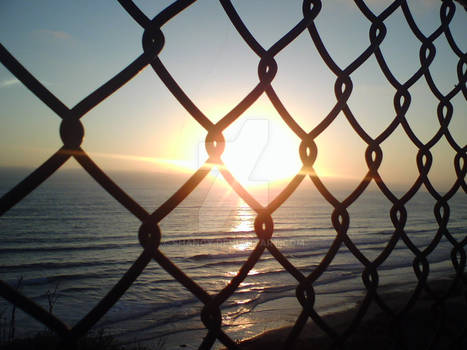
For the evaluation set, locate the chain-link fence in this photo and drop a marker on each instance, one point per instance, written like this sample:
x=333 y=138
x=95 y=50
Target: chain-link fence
x=72 y=132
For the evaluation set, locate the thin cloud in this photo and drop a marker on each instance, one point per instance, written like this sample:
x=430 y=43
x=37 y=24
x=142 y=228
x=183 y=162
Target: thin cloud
x=56 y=34
x=14 y=82
x=9 y=82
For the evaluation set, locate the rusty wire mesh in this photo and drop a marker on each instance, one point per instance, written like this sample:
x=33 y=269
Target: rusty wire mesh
x=72 y=132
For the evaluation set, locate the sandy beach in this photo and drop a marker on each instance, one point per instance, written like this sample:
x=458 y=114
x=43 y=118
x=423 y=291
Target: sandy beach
x=416 y=329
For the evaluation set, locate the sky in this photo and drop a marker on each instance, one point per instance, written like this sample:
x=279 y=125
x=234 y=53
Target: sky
x=74 y=46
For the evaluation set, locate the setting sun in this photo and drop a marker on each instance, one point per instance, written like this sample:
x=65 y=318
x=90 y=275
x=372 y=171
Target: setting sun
x=259 y=151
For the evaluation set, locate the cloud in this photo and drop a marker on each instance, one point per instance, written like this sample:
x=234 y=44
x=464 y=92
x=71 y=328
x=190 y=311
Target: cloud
x=13 y=82
x=56 y=34
x=9 y=82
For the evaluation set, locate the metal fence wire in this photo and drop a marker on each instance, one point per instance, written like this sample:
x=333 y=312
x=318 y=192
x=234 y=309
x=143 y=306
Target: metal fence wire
x=72 y=132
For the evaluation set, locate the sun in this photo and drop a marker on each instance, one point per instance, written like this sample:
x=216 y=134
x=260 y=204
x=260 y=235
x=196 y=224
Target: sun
x=259 y=151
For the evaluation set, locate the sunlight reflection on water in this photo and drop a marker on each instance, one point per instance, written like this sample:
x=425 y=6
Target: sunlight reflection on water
x=244 y=219
x=242 y=246
x=251 y=273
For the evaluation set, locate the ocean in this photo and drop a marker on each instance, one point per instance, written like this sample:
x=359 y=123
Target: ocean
x=71 y=239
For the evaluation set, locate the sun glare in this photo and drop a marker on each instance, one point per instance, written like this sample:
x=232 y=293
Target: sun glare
x=259 y=151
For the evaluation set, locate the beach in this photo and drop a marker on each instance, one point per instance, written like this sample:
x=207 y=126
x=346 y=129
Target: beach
x=416 y=328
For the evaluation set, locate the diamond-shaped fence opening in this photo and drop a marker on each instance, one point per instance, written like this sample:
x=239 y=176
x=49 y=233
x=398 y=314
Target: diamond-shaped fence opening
x=318 y=252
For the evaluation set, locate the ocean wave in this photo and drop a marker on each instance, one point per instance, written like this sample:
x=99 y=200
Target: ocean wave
x=125 y=313
x=54 y=279
x=65 y=248
x=60 y=265
x=47 y=237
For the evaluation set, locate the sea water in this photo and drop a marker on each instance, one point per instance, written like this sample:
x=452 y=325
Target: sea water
x=70 y=242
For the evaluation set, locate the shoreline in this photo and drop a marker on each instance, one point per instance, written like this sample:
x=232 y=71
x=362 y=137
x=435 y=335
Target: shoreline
x=417 y=327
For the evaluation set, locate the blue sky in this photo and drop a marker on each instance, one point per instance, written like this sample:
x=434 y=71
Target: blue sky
x=73 y=47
